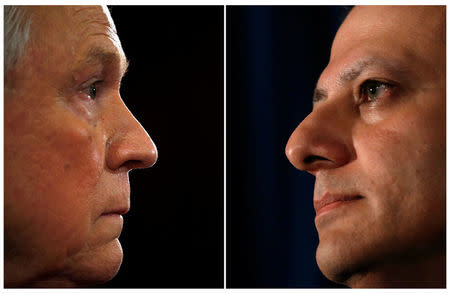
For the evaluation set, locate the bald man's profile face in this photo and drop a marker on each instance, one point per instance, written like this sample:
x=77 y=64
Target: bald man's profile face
x=375 y=142
x=69 y=144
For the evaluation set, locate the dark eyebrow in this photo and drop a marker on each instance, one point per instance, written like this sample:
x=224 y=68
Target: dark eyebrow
x=319 y=94
x=356 y=69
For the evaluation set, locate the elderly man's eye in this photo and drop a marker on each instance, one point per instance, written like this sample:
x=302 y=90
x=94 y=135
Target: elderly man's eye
x=92 y=90
x=371 y=90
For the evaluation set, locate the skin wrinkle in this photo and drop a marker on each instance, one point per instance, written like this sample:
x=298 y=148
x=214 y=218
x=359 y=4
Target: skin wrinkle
x=56 y=232
x=85 y=15
x=99 y=61
x=98 y=56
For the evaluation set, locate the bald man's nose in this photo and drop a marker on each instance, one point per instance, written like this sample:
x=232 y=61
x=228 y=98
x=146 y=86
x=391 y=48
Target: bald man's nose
x=131 y=147
x=319 y=142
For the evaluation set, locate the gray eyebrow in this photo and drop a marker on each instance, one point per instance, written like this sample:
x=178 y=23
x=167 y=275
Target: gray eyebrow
x=105 y=57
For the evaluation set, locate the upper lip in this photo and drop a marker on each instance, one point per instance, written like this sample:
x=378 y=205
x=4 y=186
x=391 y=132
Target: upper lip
x=329 y=198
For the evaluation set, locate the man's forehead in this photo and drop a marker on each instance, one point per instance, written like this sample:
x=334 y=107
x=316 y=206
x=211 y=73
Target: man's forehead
x=380 y=34
x=397 y=15
x=406 y=24
x=79 y=21
x=110 y=52
x=87 y=33
x=93 y=15
x=71 y=14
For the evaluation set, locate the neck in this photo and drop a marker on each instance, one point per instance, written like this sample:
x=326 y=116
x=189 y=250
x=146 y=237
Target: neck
x=423 y=273
x=29 y=274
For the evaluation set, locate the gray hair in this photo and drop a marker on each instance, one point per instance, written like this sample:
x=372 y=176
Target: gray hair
x=17 y=22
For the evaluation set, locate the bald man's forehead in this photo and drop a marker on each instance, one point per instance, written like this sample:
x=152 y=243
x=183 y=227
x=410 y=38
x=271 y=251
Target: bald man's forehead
x=408 y=21
x=420 y=18
x=417 y=31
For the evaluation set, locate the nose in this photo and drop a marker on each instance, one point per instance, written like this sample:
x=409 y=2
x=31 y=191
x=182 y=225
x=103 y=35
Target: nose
x=129 y=146
x=321 y=141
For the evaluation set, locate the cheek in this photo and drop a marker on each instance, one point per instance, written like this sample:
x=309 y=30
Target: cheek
x=75 y=158
x=51 y=178
x=403 y=160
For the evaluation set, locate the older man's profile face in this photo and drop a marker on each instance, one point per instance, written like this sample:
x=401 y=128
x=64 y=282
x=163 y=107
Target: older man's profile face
x=375 y=141
x=69 y=144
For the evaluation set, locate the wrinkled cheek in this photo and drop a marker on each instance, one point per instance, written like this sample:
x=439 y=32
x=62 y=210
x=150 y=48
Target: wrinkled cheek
x=80 y=158
x=80 y=167
x=65 y=171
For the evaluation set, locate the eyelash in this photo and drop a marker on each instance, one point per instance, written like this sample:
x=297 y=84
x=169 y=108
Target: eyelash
x=371 y=83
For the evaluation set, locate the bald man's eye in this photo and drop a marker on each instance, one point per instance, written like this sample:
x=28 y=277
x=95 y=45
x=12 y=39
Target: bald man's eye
x=372 y=90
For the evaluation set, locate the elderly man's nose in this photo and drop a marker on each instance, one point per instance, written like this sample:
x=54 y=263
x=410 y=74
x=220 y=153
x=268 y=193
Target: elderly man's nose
x=131 y=147
x=319 y=142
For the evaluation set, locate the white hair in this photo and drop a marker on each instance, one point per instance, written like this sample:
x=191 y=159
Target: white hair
x=17 y=22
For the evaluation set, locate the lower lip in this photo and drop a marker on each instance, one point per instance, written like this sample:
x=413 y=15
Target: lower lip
x=113 y=215
x=334 y=205
x=106 y=228
x=113 y=218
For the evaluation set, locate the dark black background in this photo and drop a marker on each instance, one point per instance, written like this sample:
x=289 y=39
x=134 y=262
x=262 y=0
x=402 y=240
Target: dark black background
x=173 y=234
x=274 y=58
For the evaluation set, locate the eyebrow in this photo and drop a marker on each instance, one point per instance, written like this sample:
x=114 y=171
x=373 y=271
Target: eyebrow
x=319 y=94
x=105 y=58
x=356 y=69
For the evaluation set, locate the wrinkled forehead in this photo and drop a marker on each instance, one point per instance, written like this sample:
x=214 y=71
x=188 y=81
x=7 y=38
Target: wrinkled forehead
x=71 y=35
x=75 y=24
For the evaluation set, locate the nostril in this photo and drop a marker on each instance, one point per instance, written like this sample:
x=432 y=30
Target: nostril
x=138 y=164
x=132 y=164
x=312 y=158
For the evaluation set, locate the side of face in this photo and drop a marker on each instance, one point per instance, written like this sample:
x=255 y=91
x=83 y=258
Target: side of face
x=69 y=144
x=377 y=135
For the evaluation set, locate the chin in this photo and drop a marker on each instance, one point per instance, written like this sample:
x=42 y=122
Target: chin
x=95 y=266
x=340 y=258
x=333 y=264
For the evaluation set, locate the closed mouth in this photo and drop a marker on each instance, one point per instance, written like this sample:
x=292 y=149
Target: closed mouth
x=331 y=201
